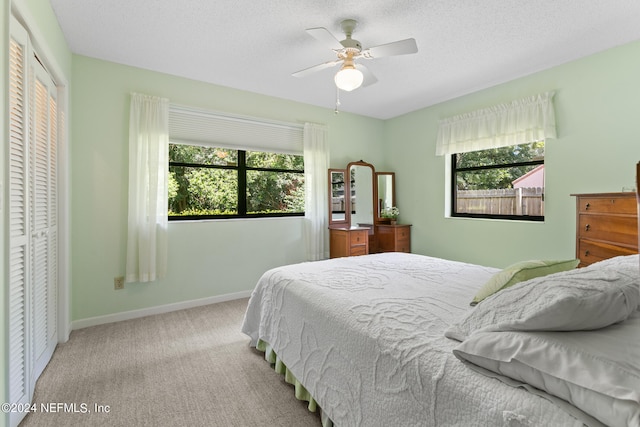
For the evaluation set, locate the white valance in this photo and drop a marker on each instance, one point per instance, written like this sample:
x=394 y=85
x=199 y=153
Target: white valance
x=518 y=122
x=188 y=125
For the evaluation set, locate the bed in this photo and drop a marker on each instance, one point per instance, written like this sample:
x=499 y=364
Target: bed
x=364 y=339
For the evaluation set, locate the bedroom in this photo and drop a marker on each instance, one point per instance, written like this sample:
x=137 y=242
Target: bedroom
x=596 y=109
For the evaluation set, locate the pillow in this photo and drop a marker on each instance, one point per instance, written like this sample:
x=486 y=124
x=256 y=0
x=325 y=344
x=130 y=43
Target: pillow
x=520 y=272
x=597 y=371
x=582 y=299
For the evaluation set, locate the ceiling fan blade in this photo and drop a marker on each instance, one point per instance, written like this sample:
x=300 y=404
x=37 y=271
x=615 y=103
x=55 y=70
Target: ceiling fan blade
x=311 y=70
x=401 y=47
x=368 y=77
x=325 y=37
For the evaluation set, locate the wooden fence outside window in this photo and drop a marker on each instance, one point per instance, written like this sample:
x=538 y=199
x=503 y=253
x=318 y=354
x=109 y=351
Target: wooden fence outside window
x=508 y=201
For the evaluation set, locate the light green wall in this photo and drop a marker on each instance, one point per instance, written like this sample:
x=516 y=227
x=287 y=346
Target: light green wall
x=207 y=258
x=597 y=107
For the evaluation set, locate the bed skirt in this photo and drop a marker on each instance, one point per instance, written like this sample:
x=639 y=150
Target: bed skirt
x=300 y=392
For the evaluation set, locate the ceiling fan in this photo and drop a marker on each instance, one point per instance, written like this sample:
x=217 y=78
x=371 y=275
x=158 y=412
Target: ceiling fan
x=352 y=75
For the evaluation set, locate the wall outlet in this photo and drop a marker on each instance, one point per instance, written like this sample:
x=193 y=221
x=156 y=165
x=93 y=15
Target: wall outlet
x=118 y=283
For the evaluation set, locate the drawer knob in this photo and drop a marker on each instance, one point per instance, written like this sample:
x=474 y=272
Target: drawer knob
x=586 y=253
x=587 y=206
x=587 y=227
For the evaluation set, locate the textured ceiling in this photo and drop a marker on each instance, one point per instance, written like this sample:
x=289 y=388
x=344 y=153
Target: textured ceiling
x=464 y=45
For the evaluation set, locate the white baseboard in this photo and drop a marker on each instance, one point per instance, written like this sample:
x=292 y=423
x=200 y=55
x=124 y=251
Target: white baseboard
x=134 y=314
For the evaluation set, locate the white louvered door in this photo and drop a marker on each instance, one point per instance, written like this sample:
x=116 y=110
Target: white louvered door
x=42 y=164
x=19 y=309
x=32 y=207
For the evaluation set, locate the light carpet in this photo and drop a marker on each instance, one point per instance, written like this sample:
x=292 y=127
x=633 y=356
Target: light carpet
x=186 y=368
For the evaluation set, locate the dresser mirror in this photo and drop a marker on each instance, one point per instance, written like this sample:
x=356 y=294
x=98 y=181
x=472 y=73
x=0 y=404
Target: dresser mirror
x=337 y=201
x=357 y=197
x=362 y=191
x=385 y=184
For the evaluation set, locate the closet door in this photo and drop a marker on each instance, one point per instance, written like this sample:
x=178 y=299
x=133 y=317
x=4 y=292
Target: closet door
x=19 y=227
x=32 y=207
x=42 y=164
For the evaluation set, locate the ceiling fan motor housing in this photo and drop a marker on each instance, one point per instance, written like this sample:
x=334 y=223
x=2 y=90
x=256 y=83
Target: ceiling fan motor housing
x=350 y=43
x=353 y=45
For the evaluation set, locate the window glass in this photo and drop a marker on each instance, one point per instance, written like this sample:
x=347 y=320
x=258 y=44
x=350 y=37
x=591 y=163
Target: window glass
x=271 y=192
x=202 y=191
x=506 y=183
x=209 y=183
x=257 y=159
x=194 y=154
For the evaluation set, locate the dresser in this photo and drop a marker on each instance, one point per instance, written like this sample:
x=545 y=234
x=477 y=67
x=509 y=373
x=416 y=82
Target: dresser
x=348 y=241
x=393 y=238
x=606 y=226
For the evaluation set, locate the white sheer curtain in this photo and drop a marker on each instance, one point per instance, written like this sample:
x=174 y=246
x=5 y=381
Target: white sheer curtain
x=518 y=122
x=316 y=163
x=148 y=165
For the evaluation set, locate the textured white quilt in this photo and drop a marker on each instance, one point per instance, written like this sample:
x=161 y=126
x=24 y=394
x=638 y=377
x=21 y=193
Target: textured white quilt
x=365 y=336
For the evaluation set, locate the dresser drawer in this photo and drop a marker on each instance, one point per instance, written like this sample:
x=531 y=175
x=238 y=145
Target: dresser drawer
x=394 y=238
x=619 y=229
x=590 y=251
x=358 y=237
x=358 y=250
x=403 y=241
x=348 y=242
x=618 y=205
x=403 y=245
x=606 y=226
x=403 y=233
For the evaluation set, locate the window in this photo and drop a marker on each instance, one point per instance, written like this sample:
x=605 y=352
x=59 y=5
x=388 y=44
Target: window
x=210 y=183
x=503 y=183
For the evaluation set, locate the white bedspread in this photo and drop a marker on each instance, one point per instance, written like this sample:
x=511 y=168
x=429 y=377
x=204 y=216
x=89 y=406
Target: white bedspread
x=365 y=336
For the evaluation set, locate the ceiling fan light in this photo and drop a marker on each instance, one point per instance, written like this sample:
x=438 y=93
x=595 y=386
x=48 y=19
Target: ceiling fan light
x=348 y=79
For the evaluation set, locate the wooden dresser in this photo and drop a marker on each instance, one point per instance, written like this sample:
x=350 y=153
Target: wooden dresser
x=606 y=226
x=348 y=241
x=393 y=238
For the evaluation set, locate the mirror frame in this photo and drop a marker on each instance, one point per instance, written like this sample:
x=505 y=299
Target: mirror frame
x=347 y=207
x=378 y=211
x=374 y=190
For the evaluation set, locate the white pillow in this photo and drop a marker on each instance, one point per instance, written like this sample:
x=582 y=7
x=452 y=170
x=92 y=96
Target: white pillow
x=596 y=371
x=583 y=299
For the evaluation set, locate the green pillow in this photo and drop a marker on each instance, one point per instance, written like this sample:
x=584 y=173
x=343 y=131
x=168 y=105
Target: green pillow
x=519 y=272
